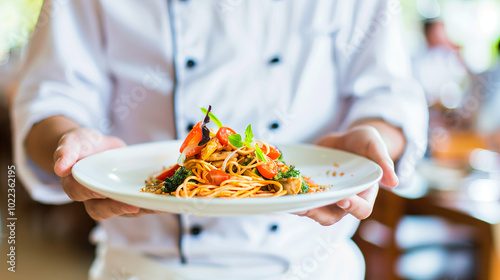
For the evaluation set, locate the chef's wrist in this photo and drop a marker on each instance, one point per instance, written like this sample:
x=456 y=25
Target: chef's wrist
x=43 y=138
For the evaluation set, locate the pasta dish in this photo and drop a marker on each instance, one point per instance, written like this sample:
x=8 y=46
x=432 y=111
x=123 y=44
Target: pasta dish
x=225 y=164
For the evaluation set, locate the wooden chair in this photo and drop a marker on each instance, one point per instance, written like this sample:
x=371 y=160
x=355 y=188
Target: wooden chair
x=376 y=236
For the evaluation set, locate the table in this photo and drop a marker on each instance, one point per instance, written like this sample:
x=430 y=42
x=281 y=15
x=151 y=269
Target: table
x=381 y=250
x=483 y=216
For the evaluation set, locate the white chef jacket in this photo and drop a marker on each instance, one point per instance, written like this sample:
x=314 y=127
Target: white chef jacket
x=295 y=70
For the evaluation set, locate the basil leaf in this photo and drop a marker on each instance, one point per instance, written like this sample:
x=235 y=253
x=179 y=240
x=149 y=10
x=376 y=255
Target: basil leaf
x=248 y=135
x=235 y=140
x=259 y=153
x=213 y=117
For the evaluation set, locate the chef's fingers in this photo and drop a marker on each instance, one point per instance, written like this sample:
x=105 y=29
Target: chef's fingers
x=80 y=143
x=326 y=215
x=66 y=154
x=360 y=205
x=76 y=191
x=101 y=209
x=143 y=211
x=389 y=177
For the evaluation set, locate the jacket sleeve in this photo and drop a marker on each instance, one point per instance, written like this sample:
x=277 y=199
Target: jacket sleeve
x=375 y=76
x=65 y=74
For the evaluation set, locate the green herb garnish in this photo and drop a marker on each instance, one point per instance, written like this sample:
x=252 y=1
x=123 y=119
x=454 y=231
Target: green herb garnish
x=173 y=182
x=248 y=136
x=292 y=173
x=260 y=155
x=305 y=187
x=236 y=140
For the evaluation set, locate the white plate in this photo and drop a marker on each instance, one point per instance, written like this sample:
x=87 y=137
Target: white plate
x=120 y=174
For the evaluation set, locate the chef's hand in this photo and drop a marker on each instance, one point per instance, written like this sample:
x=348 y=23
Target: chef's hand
x=364 y=140
x=80 y=143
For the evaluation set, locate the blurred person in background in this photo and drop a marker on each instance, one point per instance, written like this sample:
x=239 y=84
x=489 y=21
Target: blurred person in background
x=439 y=67
x=328 y=72
x=446 y=80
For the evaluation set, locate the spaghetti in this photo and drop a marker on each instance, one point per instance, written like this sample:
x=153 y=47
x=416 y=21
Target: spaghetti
x=225 y=165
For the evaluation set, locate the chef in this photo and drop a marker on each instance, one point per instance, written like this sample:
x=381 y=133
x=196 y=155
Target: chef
x=102 y=74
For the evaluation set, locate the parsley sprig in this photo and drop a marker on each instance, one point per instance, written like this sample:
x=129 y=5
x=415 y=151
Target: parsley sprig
x=292 y=173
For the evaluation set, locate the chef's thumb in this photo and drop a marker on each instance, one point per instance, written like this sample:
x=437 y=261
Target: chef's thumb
x=66 y=155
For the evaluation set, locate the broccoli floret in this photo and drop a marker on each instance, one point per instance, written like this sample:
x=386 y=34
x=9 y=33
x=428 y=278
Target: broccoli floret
x=173 y=182
x=305 y=187
x=292 y=173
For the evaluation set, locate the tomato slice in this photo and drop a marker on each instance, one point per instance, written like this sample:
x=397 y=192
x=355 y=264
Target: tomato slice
x=273 y=153
x=223 y=134
x=216 y=177
x=169 y=172
x=269 y=169
x=192 y=140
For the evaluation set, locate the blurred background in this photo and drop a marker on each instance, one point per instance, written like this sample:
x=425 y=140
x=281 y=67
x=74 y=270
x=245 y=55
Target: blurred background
x=444 y=224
